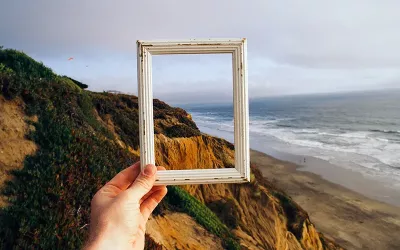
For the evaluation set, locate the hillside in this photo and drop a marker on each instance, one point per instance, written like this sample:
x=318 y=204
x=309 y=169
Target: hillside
x=59 y=143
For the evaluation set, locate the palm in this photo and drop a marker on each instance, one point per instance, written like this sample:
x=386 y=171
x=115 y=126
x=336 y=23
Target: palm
x=128 y=202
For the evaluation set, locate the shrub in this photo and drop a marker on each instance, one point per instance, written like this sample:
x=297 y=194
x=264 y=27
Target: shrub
x=78 y=83
x=50 y=197
x=123 y=112
x=226 y=211
x=183 y=201
x=181 y=130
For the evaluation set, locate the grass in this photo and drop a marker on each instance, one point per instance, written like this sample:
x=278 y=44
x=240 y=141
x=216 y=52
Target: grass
x=183 y=201
x=226 y=210
x=50 y=197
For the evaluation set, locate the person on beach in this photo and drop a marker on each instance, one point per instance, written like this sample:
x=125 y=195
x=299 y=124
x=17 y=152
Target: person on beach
x=121 y=208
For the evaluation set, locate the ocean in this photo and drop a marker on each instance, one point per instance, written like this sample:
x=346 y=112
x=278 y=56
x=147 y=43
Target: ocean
x=357 y=131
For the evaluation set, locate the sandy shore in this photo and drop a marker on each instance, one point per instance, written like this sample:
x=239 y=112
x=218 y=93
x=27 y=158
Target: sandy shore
x=348 y=217
x=355 y=211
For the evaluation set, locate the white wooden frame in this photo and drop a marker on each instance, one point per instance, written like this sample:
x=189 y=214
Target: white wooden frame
x=238 y=49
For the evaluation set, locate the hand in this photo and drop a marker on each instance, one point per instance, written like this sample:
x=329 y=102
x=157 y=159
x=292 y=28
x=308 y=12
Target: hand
x=121 y=208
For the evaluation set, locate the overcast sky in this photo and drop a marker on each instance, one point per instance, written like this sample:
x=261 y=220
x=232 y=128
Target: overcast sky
x=294 y=46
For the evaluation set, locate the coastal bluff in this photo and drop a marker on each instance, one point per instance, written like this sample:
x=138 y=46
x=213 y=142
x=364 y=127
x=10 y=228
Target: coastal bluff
x=79 y=139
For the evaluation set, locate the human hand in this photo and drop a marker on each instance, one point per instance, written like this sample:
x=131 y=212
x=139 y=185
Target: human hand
x=121 y=208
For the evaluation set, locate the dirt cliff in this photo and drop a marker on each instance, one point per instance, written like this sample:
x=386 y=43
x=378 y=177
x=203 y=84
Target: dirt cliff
x=64 y=142
x=14 y=145
x=259 y=215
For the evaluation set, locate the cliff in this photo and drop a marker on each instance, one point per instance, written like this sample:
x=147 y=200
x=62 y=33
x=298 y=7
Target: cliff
x=63 y=142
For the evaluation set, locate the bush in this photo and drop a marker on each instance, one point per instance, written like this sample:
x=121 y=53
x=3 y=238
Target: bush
x=123 y=111
x=50 y=197
x=226 y=211
x=183 y=201
x=181 y=130
x=78 y=83
x=24 y=66
x=6 y=76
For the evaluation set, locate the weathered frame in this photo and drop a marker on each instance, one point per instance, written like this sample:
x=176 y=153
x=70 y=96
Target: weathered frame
x=238 y=49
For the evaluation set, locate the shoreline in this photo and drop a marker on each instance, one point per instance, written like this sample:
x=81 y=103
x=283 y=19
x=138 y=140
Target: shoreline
x=354 y=181
x=351 y=219
x=355 y=220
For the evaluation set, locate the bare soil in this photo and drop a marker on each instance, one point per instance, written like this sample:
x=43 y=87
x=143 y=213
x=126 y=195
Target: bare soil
x=180 y=231
x=14 y=147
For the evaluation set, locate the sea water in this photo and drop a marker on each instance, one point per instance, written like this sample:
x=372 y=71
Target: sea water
x=358 y=131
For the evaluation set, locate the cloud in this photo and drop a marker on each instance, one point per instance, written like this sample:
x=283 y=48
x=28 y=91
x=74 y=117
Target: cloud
x=320 y=45
x=316 y=33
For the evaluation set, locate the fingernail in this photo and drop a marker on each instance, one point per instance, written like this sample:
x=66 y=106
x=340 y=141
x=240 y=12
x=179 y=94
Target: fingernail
x=150 y=170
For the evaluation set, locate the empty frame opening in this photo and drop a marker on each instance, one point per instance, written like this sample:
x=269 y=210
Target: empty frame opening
x=201 y=84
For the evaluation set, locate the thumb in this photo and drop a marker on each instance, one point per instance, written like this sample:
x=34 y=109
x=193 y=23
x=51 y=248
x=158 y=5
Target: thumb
x=143 y=183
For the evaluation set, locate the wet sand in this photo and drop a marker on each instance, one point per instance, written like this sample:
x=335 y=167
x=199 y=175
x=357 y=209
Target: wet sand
x=343 y=215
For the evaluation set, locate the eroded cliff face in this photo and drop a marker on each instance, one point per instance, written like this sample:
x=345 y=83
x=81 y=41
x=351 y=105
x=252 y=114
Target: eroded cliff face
x=82 y=139
x=176 y=230
x=260 y=215
x=257 y=213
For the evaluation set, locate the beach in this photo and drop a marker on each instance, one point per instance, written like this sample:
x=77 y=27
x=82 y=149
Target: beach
x=336 y=155
x=354 y=211
x=352 y=139
x=373 y=188
x=349 y=218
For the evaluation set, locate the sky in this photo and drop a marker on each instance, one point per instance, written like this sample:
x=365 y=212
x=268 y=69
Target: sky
x=294 y=47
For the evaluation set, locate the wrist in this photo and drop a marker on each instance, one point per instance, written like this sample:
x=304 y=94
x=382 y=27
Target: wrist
x=106 y=243
x=108 y=239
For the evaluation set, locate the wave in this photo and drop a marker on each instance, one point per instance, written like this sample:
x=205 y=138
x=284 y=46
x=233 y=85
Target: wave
x=381 y=149
x=285 y=126
x=347 y=134
x=368 y=143
x=385 y=131
x=263 y=122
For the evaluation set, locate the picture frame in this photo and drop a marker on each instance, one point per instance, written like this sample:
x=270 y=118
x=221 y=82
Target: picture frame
x=238 y=49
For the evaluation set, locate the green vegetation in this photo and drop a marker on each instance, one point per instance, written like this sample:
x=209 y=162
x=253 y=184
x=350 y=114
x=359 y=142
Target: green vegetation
x=226 y=211
x=183 y=201
x=50 y=197
x=80 y=85
x=181 y=130
x=123 y=111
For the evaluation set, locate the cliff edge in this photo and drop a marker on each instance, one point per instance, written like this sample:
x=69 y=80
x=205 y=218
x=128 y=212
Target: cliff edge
x=70 y=141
